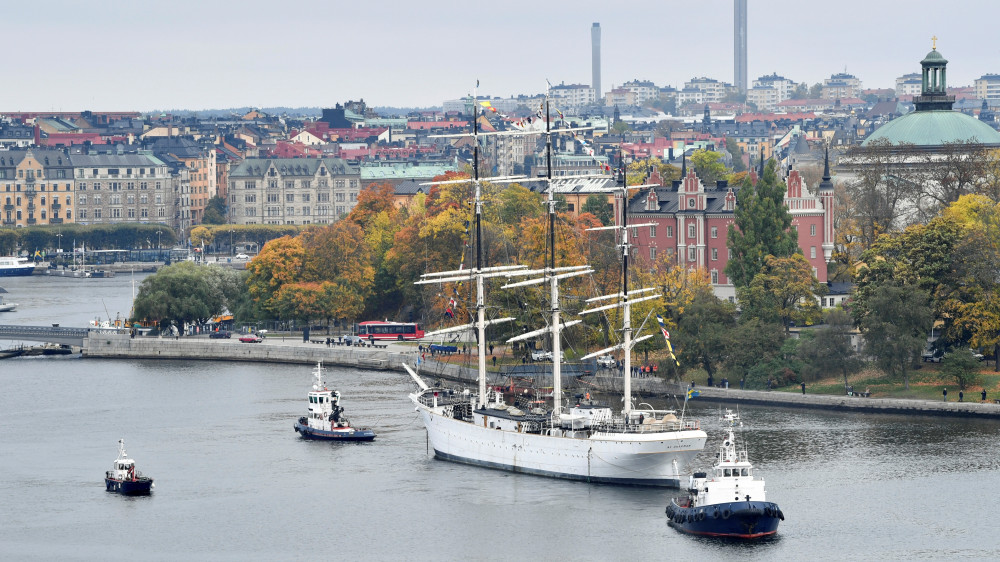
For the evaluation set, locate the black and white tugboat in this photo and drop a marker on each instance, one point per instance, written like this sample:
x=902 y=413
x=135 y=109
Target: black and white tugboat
x=124 y=479
x=326 y=419
x=728 y=503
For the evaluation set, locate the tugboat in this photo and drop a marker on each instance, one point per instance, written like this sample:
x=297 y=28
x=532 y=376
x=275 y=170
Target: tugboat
x=123 y=477
x=326 y=419
x=731 y=503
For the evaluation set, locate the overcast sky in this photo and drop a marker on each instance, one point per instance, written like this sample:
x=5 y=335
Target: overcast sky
x=71 y=55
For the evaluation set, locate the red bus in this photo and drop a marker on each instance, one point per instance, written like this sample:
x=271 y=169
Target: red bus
x=378 y=330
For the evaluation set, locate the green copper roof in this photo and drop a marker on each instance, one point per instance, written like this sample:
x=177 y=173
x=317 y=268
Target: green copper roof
x=934 y=128
x=934 y=57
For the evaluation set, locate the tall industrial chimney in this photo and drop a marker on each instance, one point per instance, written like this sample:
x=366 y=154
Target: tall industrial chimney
x=740 y=45
x=595 y=41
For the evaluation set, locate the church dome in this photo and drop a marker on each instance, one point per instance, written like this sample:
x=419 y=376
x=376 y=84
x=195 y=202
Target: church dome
x=935 y=128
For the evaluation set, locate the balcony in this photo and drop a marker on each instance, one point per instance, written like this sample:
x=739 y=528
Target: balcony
x=32 y=221
x=9 y=222
x=31 y=207
x=56 y=206
x=8 y=207
x=55 y=221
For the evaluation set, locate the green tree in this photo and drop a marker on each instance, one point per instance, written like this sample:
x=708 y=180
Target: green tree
x=737 y=153
x=598 y=206
x=784 y=291
x=215 y=211
x=186 y=292
x=753 y=351
x=703 y=332
x=707 y=164
x=895 y=323
x=962 y=366
x=762 y=227
x=827 y=349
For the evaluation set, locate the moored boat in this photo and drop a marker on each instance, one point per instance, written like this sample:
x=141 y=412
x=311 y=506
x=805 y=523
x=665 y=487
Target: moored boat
x=587 y=442
x=12 y=266
x=730 y=502
x=123 y=478
x=326 y=420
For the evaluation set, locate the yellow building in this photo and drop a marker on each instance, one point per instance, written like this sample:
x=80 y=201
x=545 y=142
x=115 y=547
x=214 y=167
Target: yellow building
x=36 y=187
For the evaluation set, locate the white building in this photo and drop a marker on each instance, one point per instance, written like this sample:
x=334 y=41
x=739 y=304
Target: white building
x=782 y=86
x=714 y=90
x=573 y=95
x=988 y=87
x=909 y=84
x=644 y=90
x=292 y=190
x=840 y=86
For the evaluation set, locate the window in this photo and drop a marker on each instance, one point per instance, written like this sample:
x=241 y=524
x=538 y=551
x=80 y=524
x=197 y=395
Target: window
x=290 y=211
x=338 y=183
x=812 y=251
x=289 y=198
x=652 y=253
x=97 y=213
x=116 y=213
x=97 y=186
x=715 y=232
x=305 y=211
x=80 y=214
x=289 y=185
x=812 y=230
x=305 y=197
x=97 y=200
x=652 y=232
x=691 y=232
x=670 y=232
x=715 y=254
x=635 y=232
x=340 y=198
x=715 y=277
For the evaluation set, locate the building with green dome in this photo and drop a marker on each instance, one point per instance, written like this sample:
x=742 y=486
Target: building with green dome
x=934 y=123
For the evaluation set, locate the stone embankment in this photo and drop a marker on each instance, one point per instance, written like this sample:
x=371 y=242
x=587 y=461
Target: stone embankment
x=272 y=350
x=656 y=387
x=393 y=356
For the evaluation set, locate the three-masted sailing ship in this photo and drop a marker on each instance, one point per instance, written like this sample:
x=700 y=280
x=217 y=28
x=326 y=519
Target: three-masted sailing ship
x=586 y=441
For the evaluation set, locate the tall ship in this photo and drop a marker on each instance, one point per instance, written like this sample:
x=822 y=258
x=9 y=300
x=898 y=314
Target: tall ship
x=12 y=266
x=586 y=441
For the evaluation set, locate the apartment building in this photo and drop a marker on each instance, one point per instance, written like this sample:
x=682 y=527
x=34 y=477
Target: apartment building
x=115 y=188
x=292 y=190
x=643 y=90
x=841 y=85
x=37 y=187
x=987 y=87
x=909 y=84
x=714 y=90
x=573 y=95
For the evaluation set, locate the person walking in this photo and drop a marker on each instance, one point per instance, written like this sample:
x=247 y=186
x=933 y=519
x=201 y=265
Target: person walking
x=945 y=394
x=961 y=396
x=984 y=395
x=803 y=388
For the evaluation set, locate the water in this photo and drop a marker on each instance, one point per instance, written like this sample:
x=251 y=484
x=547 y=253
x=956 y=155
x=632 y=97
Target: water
x=235 y=482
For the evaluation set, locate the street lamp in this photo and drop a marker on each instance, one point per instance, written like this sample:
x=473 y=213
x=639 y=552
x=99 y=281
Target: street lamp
x=59 y=238
x=231 y=231
x=157 y=239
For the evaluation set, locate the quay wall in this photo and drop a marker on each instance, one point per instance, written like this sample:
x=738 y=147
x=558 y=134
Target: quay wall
x=121 y=346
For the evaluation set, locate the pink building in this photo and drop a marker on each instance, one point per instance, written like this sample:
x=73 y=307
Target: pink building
x=691 y=223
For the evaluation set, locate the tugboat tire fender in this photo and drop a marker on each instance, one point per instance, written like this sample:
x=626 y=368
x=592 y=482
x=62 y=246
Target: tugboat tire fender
x=726 y=513
x=701 y=516
x=781 y=515
x=715 y=514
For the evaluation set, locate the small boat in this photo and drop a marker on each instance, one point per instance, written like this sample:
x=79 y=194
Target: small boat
x=731 y=503
x=326 y=419
x=124 y=479
x=4 y=305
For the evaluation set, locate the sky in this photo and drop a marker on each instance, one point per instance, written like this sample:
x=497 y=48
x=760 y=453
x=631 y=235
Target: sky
x=144 y=55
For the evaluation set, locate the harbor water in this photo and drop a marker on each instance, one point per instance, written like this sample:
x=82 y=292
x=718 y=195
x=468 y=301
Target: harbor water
x=235 y=482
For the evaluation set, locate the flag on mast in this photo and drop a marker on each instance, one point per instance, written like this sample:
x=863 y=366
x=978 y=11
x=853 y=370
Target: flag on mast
x=666 y=337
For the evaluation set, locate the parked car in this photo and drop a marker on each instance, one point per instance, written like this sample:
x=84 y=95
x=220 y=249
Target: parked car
x=932 y=355
x=251 y=338
x=978 y=356
x=539 y=355
x=242 y=256
x=220 y=334
x=606 y=361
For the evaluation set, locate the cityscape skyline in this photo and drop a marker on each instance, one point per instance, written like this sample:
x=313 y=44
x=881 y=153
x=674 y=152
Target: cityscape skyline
x=206 y=56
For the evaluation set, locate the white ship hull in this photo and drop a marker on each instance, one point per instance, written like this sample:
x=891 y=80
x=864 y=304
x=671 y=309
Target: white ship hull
x=641 y=459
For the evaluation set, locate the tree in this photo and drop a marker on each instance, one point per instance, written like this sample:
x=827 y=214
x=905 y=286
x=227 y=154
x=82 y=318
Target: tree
x=785 y=290
x=186 y=292
x=828 y=349
x=753 y=351
x=886 y=192
x=598 y=206
x=895 y=325
x=737 y=153
x=707 y=164
x=816 y=91
x=761 y=227
x=215 y=211
x=621 y=127
x=703 y=332
x=962 y=366
x=279 y=262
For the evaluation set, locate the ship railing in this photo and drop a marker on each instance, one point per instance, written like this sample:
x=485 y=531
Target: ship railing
x=650 y=425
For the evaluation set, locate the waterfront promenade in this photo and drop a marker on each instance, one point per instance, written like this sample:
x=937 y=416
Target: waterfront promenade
x=291 y=349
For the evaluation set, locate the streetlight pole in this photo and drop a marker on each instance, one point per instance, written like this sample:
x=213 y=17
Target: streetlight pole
x=231 y=232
